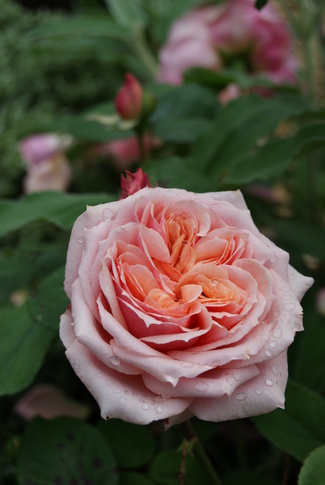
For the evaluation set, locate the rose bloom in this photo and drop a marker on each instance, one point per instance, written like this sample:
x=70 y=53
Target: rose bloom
x=180 y=307
x=212 y=35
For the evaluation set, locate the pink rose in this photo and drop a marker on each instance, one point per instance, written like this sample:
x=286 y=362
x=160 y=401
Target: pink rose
x=179 y=307
x=47 y=166
x=232 y=28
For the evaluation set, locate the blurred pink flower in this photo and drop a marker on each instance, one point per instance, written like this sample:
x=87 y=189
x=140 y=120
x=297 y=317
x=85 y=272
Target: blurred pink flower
x=126 y=151
x=47 y=166
x=49 y=402
x=210 y=35
x=128 y=101
x=132 y=182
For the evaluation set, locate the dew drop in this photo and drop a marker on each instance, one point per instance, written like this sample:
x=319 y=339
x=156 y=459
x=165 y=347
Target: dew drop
x=273 y=344
x=214 y=282
x=115 y=360
x=107 y=214
x=269 y=382
x=241 y=396
x=276 y=314
x=277 y=333
x=274 y=370
x=80 y=240
x=268 y=352
x=259 y=391
x=145 y=407
x=201 y=386
x=289 y=307
x=236 y=376
x=118 y=391
x=123 y=401
x=159 y=409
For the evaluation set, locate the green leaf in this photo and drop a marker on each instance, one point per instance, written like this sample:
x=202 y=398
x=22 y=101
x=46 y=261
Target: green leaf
x=300 y=427
x=177 y=172
x=133 y=478
x=50 y=301
x=65 y=451
x=273 y=158
x=14 y=274
x=78 y=26
x=58 y=208
x=127 y=13
x=248 y=478
x=133 y=452
x=181 y=130
x=313 y=470
x=23 y=345
x=90 y=128
x=221 y=79
x=239 y=127
x=186 y=101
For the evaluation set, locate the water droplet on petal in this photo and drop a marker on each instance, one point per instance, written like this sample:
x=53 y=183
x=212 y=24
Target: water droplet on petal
x=273 y=344
x=241 y=396
x=107 y=214
x=159 y=409
x=277 y=333
x=236 y=376
x=274 y=370
x=214 y=282
x=115 y=360
x=145 y=407
x=269 y=382
x=123 y=401
x=268 y=352
x=259 y=391
x=118 y=391
x=289 y=307
x=201 y=386
x=80 y=240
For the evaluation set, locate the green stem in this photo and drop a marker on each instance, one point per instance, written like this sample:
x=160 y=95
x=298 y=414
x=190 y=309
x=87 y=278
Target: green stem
x=140 y=47
x=201 y=455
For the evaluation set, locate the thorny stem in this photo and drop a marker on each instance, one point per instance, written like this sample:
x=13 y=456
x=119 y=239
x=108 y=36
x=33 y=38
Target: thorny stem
x=201 y=454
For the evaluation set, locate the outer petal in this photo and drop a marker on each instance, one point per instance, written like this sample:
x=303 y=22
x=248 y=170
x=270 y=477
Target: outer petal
x=119 y=395
x=260 y=395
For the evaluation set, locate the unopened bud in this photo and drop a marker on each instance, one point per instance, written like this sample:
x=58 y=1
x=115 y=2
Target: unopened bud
x=128 y=101
x=132 y=182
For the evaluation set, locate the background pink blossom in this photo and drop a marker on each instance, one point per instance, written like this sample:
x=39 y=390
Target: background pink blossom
x=210 y=35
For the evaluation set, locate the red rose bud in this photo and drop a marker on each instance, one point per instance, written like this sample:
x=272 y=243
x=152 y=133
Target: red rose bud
x=128 y=101
x=133 y=182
